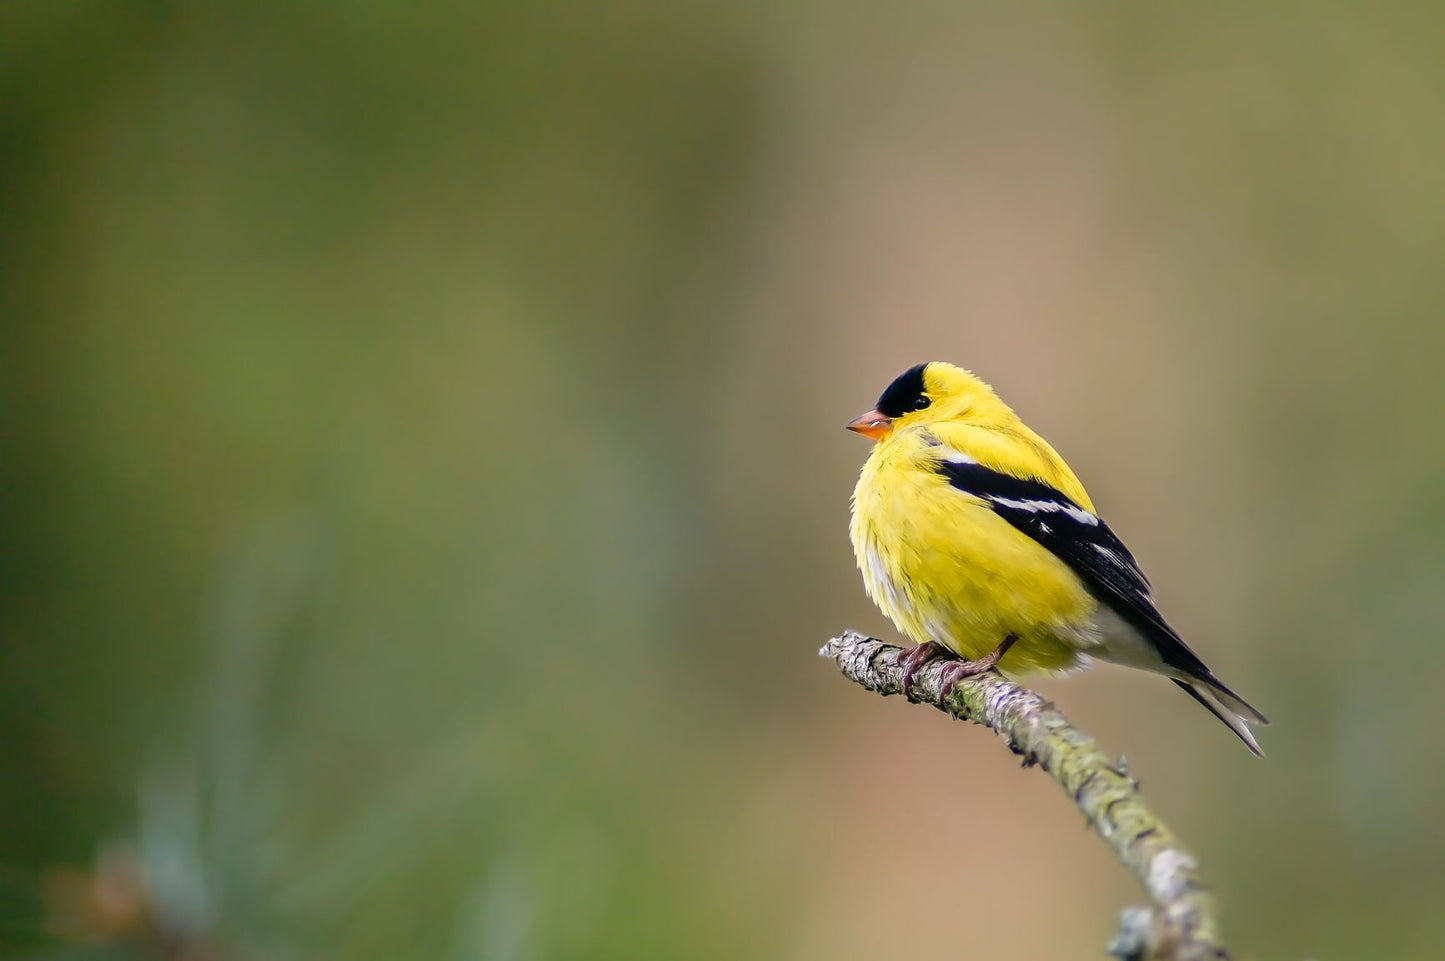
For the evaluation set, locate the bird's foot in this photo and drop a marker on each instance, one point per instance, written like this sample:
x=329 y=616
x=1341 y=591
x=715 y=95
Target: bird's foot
x=958 y=670
x=913 y=659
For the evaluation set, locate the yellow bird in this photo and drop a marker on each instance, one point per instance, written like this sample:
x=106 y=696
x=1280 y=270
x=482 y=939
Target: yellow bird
x=979 y=542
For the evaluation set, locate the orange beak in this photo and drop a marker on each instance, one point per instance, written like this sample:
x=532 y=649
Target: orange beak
x=874 y=424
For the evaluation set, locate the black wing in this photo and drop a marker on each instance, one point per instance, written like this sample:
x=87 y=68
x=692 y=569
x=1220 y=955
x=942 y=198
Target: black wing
x=1080 y=539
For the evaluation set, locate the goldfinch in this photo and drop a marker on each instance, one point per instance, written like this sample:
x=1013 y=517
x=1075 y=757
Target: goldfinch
x=978 y=542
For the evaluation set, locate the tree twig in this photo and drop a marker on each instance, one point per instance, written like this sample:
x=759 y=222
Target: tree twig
x=1181 y=926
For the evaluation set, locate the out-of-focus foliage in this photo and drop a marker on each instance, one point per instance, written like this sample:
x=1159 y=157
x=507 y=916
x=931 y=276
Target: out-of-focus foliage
x=424 y=489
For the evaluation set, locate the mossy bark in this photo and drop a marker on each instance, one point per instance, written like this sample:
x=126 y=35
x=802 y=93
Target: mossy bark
x=1181 y=925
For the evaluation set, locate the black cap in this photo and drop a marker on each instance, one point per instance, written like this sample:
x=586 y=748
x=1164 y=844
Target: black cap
x=904 y=394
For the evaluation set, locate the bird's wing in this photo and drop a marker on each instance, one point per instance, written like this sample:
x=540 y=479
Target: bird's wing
x=1080 y=539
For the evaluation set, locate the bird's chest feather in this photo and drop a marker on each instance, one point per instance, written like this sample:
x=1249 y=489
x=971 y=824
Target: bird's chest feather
x=944 y=566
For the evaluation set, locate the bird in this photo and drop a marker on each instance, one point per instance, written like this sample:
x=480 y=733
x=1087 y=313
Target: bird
x=981 y=545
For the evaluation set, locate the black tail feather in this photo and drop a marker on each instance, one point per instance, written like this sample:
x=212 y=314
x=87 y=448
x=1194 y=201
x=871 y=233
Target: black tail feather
x=1229 y=707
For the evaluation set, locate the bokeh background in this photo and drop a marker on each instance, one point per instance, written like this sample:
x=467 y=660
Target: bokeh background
x=424 y=490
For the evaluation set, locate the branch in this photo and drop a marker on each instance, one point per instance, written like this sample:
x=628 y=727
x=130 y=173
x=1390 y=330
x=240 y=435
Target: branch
x=1181 y=926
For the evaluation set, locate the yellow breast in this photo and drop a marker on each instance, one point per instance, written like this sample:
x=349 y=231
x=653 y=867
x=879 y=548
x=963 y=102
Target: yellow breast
x=946 y=568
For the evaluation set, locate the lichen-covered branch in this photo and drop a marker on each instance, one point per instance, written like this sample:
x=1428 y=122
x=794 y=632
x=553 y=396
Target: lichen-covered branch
x=1181 y=925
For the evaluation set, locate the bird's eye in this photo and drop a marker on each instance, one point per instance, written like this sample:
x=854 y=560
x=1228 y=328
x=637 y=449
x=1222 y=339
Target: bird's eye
x=921 y=403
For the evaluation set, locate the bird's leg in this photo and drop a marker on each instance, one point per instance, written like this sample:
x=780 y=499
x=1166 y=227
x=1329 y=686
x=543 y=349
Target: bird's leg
x=913 y=659
x=958 y=670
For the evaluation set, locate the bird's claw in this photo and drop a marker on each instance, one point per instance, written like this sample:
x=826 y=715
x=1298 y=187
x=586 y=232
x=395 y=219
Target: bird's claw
x=958 y=670
x=912 y=661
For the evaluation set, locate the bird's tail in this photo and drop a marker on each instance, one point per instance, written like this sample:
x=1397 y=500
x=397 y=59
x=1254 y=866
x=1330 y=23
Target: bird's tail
x=1236 y=713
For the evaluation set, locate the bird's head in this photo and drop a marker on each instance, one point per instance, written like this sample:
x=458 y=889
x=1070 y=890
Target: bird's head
x=930 y=394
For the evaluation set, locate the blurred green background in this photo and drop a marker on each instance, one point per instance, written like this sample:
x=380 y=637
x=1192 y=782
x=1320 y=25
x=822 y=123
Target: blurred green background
x=424 y=490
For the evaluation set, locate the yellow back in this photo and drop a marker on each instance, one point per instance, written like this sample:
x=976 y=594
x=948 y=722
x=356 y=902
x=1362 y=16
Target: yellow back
x=968 y=416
